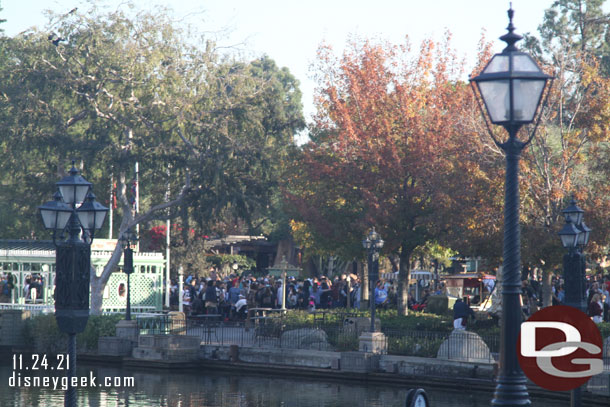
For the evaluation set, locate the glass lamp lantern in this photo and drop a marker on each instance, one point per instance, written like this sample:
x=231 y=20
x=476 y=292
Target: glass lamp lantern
x=583 y=236
x=511 y=84
x=73 y=187
x=569 y=234
x=573 y=212
x=55 y=214
x=91 y=213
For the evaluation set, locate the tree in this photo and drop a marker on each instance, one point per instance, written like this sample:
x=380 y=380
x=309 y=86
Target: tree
x=378 y=155
x=574 y=125
x=110 y=91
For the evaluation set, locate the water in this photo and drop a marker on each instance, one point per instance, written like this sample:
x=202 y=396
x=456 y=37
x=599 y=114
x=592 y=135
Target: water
x=227 y=389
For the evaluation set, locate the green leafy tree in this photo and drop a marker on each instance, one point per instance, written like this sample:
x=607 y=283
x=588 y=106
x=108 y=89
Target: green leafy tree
x=111 y=91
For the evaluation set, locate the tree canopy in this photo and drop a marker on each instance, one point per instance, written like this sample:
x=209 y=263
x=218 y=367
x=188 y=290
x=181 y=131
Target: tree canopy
x=111 y=90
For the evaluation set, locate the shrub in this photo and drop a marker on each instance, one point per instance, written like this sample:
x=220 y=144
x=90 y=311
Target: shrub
x=415 y=321
x=42 y=334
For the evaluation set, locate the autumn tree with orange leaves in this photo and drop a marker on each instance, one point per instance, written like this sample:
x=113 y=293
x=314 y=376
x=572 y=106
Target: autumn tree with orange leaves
x=383 y=150
x=567 y=155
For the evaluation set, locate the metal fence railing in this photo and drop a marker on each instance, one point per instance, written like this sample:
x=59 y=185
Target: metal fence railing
x=35 y=309
x=275 y=333
x=458 y=345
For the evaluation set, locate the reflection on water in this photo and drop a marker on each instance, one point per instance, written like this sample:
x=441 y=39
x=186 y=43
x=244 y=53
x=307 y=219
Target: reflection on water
x=206 y=388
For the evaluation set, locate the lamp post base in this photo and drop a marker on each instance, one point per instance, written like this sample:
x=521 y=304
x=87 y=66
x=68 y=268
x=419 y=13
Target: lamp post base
x=511 y=392
x=373 y=342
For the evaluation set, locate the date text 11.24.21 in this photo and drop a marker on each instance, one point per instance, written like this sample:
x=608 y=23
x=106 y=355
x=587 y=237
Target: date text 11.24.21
x=35 y=361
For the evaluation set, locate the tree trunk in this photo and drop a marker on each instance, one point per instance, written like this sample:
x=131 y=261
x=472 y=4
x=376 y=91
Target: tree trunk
x=98 y=284
x=364 y=287
x=404 y=275
x=547 y=294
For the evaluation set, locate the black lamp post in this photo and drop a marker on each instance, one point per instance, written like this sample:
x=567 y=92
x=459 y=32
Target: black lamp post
x=574 y=237
x=373 y=245
x=511 y=86
x=75 y=211
x=127 y=240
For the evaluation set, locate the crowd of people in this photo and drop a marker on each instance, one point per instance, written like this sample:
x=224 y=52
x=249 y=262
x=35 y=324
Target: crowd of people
x=32 y=289
x=597 y=295
x=7 y=284
x=233 y=295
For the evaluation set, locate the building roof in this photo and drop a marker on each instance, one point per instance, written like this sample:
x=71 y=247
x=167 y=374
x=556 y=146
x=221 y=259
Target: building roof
x=26 y=245
x=232 y=240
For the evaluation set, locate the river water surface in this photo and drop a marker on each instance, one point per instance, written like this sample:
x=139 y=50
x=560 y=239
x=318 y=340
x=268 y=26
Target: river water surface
x=225 y=389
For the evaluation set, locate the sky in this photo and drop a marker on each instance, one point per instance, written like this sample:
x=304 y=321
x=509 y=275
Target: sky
x=290 y=31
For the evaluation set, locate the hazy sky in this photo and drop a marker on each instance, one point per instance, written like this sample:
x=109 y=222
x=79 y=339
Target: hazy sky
x=289 y=31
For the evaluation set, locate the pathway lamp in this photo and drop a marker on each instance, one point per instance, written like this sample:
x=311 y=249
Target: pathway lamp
x=511 y=86
x=574 y=237
x=373 y=245
x=69 y=213
x=128 y=240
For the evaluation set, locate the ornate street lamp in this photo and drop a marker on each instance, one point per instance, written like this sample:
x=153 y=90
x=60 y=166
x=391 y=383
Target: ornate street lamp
x=128 y=240
x=373 y=245
x=511 y=86
x=574 y=237
x=69 y=213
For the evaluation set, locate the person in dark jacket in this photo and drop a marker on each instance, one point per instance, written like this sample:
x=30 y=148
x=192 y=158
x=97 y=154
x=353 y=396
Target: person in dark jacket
x=211 y=298
x=461 y=312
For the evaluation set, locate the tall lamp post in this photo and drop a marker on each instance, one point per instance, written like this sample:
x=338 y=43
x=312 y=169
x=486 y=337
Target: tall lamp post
x=373 y=245
x=127 y=240
x=73 y=211
x=511 y=86
x=574 y=237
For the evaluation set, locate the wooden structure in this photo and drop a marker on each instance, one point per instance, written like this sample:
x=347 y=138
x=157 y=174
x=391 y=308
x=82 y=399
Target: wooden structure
x=28 y=259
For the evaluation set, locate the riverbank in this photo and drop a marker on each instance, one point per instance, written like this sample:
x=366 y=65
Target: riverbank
x=402 y=372
x=393 y=370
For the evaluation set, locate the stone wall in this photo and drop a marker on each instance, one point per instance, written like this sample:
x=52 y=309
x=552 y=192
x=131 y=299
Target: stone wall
x=11 y=326
x=402 y=365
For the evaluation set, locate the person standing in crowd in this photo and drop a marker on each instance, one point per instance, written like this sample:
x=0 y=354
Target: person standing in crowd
x=241 y=307
x=461 y=312
x=381 y=295
x=605 y=293
x=292 y=297
x=593 y=289
x=211 y=298
x=596 y=309
x=356 y=293
x=234 y=292
x=186 y=299
x=251 y=301
x=279 y=294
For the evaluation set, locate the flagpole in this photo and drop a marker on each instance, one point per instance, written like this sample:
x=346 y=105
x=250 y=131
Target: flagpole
x=167 y=246
x=137 y=198
x=111 y=206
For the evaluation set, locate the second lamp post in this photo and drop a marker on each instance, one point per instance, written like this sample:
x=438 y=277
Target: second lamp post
x=574 y=237
x=373 y=245
x=128 y=239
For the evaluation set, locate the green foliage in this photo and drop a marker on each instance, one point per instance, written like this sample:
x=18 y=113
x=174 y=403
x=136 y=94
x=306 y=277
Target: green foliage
x=334 y=317
x=410 y=346
x=42 y=334
x=415 y=321
x=220 y=260
x=434 y=251
x=604 y=329
x=342 y=342
x=98 y=326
